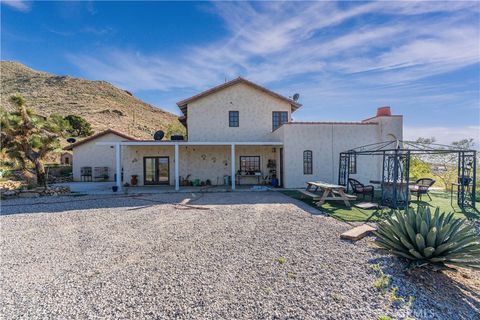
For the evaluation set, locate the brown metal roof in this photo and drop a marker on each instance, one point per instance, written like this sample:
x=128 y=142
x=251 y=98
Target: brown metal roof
x=183 y=104
x=98 y=135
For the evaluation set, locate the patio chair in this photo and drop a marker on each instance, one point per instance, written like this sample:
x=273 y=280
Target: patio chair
x=462 y=182
x=421 y=187
x=359 y=188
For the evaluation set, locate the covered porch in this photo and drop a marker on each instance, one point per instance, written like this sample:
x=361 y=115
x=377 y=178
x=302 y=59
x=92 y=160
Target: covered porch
x=105 y=188
x=182 y=165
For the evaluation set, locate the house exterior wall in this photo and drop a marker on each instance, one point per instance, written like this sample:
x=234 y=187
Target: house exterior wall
x=326 y=141
x=200 y=162
x=208 y=121
x=389 y=127
x=208 y=117
x=265 y=153
x=89 y=154
x=132 y=161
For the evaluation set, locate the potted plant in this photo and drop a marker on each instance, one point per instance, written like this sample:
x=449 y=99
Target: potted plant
x=185 y=182
x=134 y=180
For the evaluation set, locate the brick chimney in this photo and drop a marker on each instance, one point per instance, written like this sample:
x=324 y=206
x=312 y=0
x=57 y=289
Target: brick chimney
x=384 y=111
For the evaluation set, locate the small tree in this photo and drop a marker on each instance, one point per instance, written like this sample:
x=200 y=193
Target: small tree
x=78 y=126
x=426 y=140
x=444 y=165
x=27 y=136
x=175 y=128
x=466 y=144
x=419 y=169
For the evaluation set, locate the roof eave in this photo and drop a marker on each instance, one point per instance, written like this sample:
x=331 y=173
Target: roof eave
x=98 y=135
x=183 y=103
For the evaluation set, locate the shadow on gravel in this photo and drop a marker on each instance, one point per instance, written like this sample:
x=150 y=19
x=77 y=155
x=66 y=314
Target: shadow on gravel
x=434 y=293
x=142 y=201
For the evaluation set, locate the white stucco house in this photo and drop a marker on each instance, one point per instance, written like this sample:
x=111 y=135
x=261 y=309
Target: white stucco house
x=241 y=131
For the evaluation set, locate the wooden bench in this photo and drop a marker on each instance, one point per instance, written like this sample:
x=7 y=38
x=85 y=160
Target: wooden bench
x=311 y=194
x=346 y=195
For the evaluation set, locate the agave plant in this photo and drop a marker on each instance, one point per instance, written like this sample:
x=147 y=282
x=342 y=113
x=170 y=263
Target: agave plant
x=430 y=238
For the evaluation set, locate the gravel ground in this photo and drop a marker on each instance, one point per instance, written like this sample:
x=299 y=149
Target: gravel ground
x=149 y=257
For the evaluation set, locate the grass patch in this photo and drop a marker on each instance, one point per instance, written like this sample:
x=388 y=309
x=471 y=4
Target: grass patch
x=339 y=211
x=382 y=281
x=281 y=260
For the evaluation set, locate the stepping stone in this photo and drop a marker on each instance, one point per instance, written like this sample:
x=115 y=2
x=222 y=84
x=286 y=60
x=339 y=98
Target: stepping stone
x=357 y=233
x=367 y=205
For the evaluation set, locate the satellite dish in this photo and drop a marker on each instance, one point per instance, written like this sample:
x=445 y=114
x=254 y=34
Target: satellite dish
x=71 y=140
x=296 y=96
x=159 y=135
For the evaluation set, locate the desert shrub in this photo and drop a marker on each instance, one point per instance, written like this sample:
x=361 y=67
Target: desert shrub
x=78 y=126
x=437 y=238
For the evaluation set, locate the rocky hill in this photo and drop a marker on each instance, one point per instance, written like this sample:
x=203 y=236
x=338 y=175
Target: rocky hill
x=102 y=104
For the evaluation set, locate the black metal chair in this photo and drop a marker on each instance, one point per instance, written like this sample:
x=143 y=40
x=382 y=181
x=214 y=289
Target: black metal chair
x=421 y=187
x=359 y=188
x=463 y=183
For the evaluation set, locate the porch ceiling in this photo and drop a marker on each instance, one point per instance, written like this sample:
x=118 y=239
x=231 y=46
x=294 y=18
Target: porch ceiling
x=191 y=143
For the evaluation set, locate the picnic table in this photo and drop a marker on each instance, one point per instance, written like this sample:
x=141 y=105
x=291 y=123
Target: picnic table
x=328 y=191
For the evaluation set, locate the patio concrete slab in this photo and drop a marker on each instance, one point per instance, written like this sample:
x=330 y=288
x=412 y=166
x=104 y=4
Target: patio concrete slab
x=98 y=188
x=89 y=187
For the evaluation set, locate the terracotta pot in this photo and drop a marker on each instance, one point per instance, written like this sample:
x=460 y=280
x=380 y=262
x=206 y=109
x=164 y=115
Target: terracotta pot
x=134 y=180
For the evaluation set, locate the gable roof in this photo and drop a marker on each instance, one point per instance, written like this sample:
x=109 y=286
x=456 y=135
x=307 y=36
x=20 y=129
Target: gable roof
x=183 y=104
x=98 y=135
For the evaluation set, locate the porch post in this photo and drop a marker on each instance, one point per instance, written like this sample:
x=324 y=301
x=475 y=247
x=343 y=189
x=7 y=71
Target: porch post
x=118 y=166
x=177 y=162
x=232 y=149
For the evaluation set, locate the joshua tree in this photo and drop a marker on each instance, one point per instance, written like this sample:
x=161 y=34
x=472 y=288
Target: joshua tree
x=26 y=136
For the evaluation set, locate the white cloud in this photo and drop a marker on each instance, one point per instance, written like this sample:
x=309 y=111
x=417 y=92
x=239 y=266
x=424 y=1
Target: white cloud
x=269 y=42
x=134 y=71
x=443 y=134
x=338 y=56
x=436 y=53
x=19 y=5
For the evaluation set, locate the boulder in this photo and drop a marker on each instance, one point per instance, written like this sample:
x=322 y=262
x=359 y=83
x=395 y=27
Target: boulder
x=9 y=193
x=28 y=194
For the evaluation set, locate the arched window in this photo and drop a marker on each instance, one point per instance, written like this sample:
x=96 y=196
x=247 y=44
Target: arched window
x=307 y=162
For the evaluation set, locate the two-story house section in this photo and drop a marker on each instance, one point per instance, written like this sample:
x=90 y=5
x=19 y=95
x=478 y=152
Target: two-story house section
x=240 y=133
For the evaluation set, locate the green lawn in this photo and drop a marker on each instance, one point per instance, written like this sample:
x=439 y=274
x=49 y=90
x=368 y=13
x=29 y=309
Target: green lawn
x=340 y=212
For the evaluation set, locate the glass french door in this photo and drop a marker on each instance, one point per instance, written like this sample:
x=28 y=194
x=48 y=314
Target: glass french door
x=156 y=170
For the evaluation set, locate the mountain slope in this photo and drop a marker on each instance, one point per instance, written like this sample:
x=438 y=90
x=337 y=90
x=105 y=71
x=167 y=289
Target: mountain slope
x=102 y=104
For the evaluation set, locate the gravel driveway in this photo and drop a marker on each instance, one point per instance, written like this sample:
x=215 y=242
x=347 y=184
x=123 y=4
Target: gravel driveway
x=225 y=255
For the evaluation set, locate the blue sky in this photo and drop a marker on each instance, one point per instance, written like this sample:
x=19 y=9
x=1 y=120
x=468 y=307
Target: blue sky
x=344 y=58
